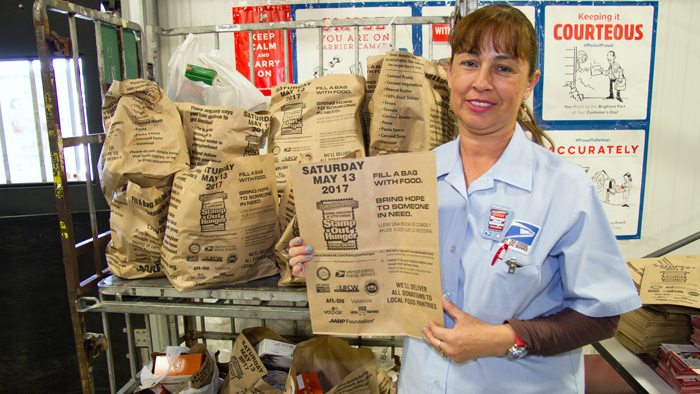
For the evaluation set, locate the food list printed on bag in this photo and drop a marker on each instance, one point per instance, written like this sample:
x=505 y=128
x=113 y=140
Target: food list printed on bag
x=410 y=107
x=372 y=224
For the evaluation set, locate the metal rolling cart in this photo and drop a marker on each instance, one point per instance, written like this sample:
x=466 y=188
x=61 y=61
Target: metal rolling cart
x=119 y=48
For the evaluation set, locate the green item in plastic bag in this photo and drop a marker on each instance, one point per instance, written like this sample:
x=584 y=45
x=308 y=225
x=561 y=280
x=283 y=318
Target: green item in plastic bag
x=196 y=73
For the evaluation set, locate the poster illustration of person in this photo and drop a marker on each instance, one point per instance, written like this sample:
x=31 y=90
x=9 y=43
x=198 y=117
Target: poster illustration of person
x=597 y=62
x=614 y=160
x=339 y=42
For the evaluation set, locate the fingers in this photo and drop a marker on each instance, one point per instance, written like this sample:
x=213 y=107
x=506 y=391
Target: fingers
x=450 y=308
x=299 y=254
x=433 y=338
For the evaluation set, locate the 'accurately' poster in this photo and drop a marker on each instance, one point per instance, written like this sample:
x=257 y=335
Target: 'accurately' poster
x=614 y=160
x=597 y=62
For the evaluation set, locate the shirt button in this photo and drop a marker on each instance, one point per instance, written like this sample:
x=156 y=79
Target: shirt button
x=464 y=207
x=436 y=384
x=452 y=248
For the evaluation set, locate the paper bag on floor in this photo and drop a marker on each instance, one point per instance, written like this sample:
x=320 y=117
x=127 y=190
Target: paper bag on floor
x=341 y=368
x=246 y=370
x=145 y=142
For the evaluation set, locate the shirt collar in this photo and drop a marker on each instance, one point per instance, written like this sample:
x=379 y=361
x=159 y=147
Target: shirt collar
x=514 y=167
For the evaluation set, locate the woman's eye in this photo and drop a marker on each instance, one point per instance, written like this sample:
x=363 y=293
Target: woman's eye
x=504 y=69
x=469 y=63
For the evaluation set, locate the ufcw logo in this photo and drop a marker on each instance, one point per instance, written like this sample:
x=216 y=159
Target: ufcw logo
x=347 y=289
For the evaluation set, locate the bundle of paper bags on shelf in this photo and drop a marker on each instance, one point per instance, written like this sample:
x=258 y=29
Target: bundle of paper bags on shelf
x=670 y=291
x=264 y=362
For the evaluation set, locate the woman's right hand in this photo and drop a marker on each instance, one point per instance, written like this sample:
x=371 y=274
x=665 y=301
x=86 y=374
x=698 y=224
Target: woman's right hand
x=298 y=255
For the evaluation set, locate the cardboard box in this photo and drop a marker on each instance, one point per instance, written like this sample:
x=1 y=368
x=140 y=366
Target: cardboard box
x=275 y=354
x=307 y=383
x=184 y=367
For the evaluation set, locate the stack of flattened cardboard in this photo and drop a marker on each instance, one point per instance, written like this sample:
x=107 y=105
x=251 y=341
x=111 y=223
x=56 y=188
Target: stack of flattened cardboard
x=644 y=329
x=670 y=291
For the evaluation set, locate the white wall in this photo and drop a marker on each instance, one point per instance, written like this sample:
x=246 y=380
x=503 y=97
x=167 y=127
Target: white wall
x=670 y=211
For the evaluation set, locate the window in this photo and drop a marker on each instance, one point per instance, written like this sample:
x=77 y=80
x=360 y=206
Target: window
x=23 y=135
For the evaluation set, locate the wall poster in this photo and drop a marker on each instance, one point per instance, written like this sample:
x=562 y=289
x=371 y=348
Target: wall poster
x=594 y=97
x=597 y=62
x=614 y=160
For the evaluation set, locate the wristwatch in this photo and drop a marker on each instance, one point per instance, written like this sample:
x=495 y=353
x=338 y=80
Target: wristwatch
x=518 y=351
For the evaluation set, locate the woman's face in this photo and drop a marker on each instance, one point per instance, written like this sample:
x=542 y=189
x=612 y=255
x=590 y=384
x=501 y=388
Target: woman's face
x=487 y=90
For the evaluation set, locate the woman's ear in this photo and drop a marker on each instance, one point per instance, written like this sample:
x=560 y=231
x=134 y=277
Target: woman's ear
x=531 y=83
x=449 y=73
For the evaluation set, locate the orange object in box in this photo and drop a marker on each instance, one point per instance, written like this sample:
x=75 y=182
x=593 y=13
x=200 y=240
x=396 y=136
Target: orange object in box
x=307 y=383
x=183 y=368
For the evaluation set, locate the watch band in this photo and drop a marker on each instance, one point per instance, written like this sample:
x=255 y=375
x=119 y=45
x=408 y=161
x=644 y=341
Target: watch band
x=518 y=351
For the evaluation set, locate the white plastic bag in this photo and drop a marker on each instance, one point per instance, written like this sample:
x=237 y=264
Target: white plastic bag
x=229 y=88
x=148 y=379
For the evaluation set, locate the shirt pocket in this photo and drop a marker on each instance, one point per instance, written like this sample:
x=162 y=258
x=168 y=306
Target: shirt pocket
x=499 y=294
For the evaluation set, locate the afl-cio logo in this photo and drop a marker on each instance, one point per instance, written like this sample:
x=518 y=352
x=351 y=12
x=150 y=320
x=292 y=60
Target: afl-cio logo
x=232 y=258
x=195 y=248
x=323 y=273
x=371 y=287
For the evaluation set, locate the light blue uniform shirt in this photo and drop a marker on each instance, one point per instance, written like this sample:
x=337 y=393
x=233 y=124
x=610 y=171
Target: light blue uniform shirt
x=573 y=261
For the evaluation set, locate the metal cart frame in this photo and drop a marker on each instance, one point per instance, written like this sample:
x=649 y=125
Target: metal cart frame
x=155 y=296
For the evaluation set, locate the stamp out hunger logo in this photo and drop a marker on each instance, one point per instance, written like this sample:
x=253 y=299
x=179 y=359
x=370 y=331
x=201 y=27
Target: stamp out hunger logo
x=213 y=212
x=339 y=225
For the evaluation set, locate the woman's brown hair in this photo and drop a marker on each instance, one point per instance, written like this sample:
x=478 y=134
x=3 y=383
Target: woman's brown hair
x=507 y=30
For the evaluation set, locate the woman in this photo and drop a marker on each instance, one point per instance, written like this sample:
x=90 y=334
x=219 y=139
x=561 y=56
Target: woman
x=531 y=270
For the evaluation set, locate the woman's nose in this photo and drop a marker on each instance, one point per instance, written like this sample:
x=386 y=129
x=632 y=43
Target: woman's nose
x=482 y=79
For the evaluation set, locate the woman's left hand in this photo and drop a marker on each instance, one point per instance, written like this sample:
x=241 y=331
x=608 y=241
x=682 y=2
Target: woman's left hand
x=470 y=338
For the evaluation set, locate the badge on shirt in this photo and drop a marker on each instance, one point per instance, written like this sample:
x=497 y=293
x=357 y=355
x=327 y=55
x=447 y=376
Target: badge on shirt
x=520 y=236
x=498 y=221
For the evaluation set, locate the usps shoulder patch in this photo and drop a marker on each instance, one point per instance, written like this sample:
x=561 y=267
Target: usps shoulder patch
x=520 y=236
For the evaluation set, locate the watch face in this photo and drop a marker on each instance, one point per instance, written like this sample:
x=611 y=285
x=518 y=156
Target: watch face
x=517 y=352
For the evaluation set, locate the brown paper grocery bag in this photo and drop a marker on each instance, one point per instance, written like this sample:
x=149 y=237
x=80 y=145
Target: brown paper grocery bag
x=218 y=133
x=222 y=224
x=137 y=224
x=341 y=368
x=145 y=142
x=410 y=108
x=245 y=368
x=374 y=69
x=373 y=224
x=320 y=119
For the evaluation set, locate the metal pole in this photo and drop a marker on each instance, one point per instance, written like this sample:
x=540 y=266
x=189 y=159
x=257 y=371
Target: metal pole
x=37 y=122
x=3 y=142
x=250 y=57
x=356 y=36
x=676 y=245
x=320 y=51
x=287 y=76
x=109 y=354
x=86 y=153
